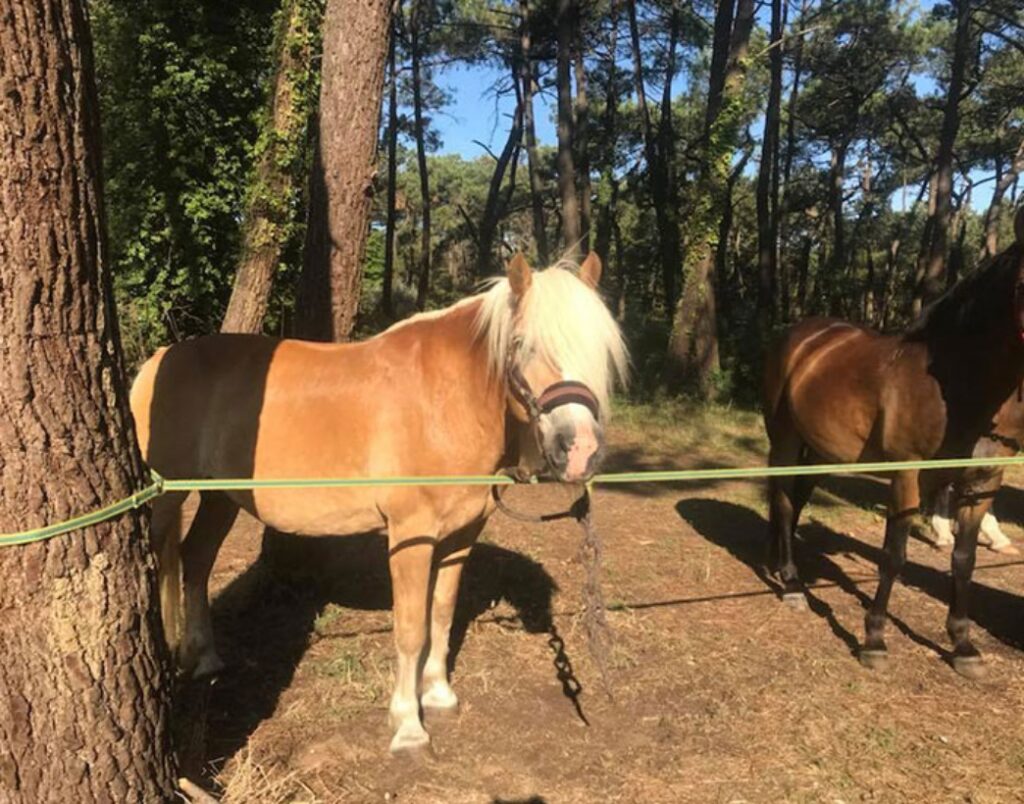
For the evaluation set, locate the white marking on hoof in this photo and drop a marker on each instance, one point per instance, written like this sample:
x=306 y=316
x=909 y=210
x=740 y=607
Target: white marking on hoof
x=440 y=697
x=971 y=667
x=410 y=740
x=795 y=600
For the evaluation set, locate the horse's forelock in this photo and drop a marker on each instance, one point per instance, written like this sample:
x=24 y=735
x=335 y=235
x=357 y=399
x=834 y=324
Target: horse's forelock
x=561 y=319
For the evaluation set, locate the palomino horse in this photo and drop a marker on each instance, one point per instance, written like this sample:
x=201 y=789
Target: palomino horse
x=841 y=393
x=530 y=362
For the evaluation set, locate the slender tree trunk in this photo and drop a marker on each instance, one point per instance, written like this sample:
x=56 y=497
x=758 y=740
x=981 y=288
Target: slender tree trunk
x=84 y=674
x=423 y=285
x=608 y=187
x=934 y=282
x=281 y=155
x=693 y=344
x=885 y=306
x=1004 y=180
x=665 y=212
x=802 y=276
x=837 y=169
x=582 y=142
x=493 y=205
x=768 y=184
x=787 y=166
x=355 y=47
x=567 y=12
x=388 y=279
x=533 y=160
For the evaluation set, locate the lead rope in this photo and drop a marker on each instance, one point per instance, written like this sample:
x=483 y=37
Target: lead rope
x=590 y=555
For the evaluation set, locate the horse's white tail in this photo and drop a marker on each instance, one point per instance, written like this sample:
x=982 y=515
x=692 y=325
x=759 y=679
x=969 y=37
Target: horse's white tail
x=167 y=543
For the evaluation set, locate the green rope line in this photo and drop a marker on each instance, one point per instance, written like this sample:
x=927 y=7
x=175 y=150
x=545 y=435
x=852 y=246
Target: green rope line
x=161 y=486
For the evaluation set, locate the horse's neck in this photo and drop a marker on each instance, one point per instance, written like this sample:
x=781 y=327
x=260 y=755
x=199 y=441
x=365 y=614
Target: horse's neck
x=458 y=362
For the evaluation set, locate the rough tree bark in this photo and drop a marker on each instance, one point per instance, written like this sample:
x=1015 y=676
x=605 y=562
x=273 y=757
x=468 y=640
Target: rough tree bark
x=933 y=282
x=540 y=235
x=355 y=36
x=567 y=11
x=692 y=357
x=280 y=156
x=84 y=677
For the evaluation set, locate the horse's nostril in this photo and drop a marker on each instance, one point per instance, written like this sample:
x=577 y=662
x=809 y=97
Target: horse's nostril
x=563 y=442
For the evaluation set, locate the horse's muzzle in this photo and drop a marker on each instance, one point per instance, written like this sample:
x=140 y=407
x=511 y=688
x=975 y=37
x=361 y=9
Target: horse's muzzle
x=573 y=445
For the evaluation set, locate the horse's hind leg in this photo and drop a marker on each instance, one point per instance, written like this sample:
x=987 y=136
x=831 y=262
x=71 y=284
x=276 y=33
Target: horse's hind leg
x=451 y=558
x=786 y=499
x=904 y=505
x=410 y=557
x=213 y=521
x=165 y=529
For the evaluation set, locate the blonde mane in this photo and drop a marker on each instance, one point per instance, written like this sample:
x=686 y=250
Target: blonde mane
x=561 y=319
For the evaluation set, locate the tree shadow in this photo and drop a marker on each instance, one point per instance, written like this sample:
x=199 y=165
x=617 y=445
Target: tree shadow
x=744 y=534
x=265 y=617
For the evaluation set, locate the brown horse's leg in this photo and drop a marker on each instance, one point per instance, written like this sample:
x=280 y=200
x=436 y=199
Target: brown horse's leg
x=451 y=557
x=904 y=504
x=410 y=558
x=975 y=502
x=786 y=499
x=213 y=521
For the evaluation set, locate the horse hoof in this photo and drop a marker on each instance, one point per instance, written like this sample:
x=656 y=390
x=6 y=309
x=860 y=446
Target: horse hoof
x=440 y=700
x=1006 y=550
x=797 y=601
x=971 y=667
x=412 y=747
x=874 y=659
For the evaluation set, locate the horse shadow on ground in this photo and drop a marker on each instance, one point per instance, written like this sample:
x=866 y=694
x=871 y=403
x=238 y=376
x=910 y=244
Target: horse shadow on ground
x=265 y=619
x=744 y=534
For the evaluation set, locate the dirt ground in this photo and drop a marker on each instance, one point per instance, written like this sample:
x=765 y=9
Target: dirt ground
x=721 y=692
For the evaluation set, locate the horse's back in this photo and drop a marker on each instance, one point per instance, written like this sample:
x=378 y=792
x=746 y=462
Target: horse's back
x=828 y=381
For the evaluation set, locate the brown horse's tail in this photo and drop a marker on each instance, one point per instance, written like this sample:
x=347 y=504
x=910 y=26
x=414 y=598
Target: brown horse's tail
x=167 y=545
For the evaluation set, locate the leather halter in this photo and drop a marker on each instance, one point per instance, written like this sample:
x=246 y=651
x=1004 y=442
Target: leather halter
x=565 y=392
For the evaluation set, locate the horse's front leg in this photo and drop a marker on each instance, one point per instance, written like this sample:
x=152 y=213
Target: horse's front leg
x=450 y=560
x=974 y=504
x=410 y=557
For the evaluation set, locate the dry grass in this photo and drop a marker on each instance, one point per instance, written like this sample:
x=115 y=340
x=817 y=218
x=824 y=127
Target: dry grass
x=722 y=694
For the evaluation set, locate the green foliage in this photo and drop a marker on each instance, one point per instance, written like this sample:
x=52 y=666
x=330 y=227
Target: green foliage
x=181 y=86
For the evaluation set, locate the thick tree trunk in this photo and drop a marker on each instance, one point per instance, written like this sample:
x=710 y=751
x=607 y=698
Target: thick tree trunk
x=540 y=235
x=355 y=48
x=581 y=142
x=388 y=279
x=281 y=151
x=423 y=283
x=768 y=184
x=934 y=280
x=567 y=11
x=665 y=208
x=692 y=357
x=84 y=674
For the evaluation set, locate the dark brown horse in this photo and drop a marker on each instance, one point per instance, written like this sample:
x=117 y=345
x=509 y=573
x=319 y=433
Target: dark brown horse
x=840 y=393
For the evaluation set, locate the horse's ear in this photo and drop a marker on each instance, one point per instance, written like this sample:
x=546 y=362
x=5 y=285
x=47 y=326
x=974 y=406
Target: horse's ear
x=1018 y=225
x=590 y=271
x=520 y=275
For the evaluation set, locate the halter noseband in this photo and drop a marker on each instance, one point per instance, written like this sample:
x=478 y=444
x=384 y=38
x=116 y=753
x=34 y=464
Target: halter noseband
x=565 y=392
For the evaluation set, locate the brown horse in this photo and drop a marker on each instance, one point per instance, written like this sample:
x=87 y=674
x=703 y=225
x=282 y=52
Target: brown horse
x=522 y=371
x=836 y=392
